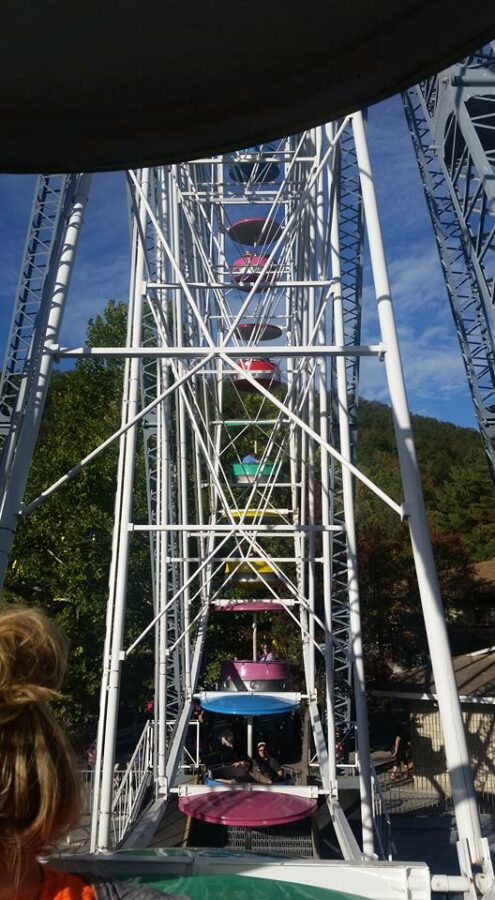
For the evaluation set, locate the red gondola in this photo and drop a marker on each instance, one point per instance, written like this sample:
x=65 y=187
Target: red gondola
x=265 y=372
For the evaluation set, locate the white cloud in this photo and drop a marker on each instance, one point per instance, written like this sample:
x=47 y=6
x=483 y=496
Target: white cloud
x=433 y=368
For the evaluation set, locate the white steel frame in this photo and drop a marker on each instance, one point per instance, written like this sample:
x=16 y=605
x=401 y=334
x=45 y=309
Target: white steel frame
x=181 y=349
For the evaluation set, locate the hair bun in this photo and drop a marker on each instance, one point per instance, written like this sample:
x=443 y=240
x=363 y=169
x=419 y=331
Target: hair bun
x=33 y=659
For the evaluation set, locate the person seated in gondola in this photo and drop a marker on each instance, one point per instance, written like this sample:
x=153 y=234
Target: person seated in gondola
x=250 y=458
x=240 y=772
x=267 y=654
x=266 y=768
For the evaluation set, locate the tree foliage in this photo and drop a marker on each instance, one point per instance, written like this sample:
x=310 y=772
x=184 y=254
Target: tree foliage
x=61 y=553
x=458 y=494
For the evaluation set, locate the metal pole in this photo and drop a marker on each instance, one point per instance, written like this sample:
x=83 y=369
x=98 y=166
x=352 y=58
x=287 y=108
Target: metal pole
x=466 y=811
x=111 y=592
x=163 y=501
x=122 y=524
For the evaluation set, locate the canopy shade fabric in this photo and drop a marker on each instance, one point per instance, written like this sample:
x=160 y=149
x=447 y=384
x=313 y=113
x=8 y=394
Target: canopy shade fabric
x=104 y=85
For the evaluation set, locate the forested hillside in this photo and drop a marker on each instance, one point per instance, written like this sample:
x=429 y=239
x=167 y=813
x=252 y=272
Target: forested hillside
x=458 y=490
x=62 y=551
x=459 y=495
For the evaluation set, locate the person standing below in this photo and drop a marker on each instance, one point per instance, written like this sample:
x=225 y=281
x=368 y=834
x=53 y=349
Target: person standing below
x=266 y=768
x=267 y=654
x=401 y=752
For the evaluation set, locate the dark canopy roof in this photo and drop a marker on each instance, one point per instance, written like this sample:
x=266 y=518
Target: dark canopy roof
x=103 y=84
x=474 y=675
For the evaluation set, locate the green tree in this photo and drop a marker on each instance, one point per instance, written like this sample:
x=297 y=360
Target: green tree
x=61 y=553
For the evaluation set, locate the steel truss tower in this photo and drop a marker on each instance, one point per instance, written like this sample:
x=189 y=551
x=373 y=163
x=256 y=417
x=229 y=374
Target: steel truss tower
x=51 y=242
x=451 y=117
x=244 y=329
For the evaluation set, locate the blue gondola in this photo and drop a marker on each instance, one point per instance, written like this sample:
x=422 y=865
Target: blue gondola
x=238 y=704
x=247 y=166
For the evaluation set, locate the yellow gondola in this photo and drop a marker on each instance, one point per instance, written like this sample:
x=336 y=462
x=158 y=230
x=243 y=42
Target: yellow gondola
x=251 y=574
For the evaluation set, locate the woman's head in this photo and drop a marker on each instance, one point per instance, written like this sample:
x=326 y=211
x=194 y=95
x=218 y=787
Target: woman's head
x=39 y=794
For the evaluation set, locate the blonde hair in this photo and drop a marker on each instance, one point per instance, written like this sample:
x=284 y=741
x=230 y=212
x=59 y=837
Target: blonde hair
x=39 y=793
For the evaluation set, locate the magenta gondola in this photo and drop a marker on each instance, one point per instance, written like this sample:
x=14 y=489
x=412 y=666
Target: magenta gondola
x=265 y=372
x=252 y=675
x=254 y=231
x=249 y=809
x=247 y=269
x=252 y=606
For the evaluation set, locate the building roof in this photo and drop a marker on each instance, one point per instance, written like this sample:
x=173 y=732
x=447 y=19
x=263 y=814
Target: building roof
x=485 y=570
x=474 y=672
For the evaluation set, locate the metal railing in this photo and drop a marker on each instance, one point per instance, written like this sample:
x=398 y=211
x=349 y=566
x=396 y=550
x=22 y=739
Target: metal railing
x=190 y=757
x=382 y=825
x=130 y=786
x=87 y=782
x=130 y=782
x=422 y=794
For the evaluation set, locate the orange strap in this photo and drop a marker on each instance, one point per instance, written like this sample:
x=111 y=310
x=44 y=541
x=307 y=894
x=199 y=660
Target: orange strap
x=64 y=886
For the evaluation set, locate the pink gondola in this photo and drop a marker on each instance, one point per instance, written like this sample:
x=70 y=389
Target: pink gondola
x=247 y=268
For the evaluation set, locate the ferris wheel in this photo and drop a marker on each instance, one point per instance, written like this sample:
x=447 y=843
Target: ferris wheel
x=241 y=373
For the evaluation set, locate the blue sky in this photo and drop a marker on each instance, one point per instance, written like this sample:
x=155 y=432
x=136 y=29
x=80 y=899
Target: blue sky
x=434 y=372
